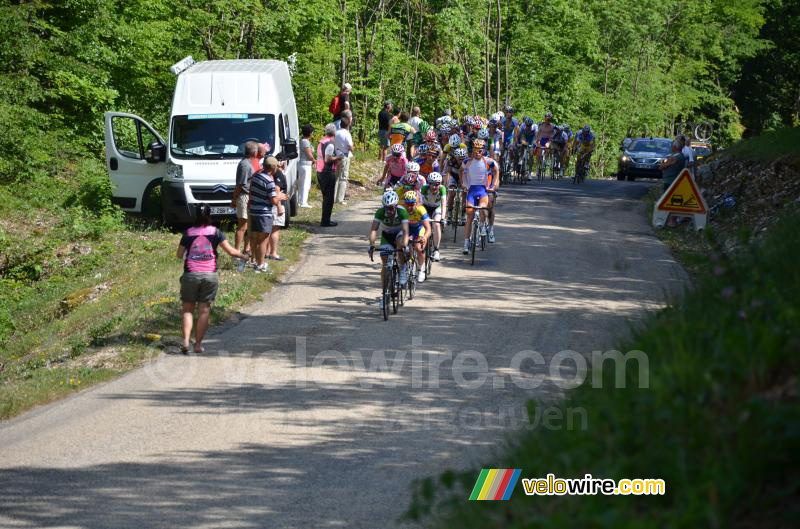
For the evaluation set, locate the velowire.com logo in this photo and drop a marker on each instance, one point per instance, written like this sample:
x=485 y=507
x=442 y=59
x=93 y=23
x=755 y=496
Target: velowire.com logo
x=495 y=484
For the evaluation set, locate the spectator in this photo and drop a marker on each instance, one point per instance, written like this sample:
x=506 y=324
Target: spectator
x=199 y=282
x=244 y=172
x=263 y=149
x=343 y=142
x=341 y=102
x=400 y=131
x=327 y=176
x=263 y=196
x=304 y=167
x=345 y=114
x=395 y=117
x=688 y=153
x=673 y=164
x=278 y=219
x=384 y=120
x=415 y=119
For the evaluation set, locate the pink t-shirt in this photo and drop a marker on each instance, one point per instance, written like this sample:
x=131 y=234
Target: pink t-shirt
x=397 y=165
x=201 y=248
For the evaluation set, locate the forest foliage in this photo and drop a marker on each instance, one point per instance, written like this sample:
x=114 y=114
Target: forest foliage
x=623 y=66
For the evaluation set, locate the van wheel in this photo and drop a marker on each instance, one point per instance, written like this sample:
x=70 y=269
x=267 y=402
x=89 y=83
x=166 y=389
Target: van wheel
x=151 y=201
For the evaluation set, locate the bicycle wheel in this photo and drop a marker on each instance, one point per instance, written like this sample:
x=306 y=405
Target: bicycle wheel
x=455 y=214
x=474 y=239
x=412 y=275
x=703 y=131
x=397 y=292
x=386 y=294
x=483 y=239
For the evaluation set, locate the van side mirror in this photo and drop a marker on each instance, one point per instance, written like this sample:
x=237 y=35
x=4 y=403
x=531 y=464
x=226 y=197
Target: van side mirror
x=290 y=148
x=156 y=152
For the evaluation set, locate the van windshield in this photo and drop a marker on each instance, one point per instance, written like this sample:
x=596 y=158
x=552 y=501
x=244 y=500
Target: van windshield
x=220 y=135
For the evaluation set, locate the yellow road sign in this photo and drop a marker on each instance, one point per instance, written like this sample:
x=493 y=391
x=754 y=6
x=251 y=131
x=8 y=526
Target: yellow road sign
x=682 y=196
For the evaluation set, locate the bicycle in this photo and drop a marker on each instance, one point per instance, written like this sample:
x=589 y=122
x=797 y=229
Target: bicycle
x=476 y=222
x=429 y=250
x=545 y=163
x=455 y=211
x=391 y=292
x=506 y=166
x=413 y=267
x=522 y=165
x=581 y=167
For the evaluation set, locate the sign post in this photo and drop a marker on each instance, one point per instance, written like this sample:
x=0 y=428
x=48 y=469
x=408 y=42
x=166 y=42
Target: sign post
x=682 y=198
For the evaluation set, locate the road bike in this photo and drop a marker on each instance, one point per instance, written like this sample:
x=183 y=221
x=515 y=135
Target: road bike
x=522 y=164
x=581 y=167
x=506 y=166
x=413 y=269
x=545 y=164
x=391 y=291
x=455 y=211
x=476 y=232
x=701 y=131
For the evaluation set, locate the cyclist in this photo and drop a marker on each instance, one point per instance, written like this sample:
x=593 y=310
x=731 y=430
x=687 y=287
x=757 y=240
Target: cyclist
x=565 y=156
x=394 y=235
x=412 y=181
x=543 y=135
x=401 y=131
x=474 y=178
x=395 y=167
x=584 y=147
x=452 y=167
x=527 y=140
x=493 y=138
x=559 y=144
x=419 y=229
x=435 y=202
x=427 y=160
x=510 y=130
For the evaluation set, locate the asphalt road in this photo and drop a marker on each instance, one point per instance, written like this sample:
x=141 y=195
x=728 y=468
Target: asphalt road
x=287 y=420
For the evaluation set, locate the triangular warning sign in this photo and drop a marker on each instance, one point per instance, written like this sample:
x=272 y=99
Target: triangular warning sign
x=682 y=196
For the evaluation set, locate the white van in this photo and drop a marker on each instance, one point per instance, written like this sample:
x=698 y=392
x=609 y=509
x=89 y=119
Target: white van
x=217 y=107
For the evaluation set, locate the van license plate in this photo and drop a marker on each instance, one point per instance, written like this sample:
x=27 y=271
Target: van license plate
x=223 y=211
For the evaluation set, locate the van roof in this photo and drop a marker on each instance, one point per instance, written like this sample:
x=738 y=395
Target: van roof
x=236 y=66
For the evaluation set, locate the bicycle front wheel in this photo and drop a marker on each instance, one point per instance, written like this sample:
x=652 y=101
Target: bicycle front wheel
x=386 y=294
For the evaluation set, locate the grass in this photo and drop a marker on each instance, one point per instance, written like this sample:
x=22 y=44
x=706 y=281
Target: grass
x=768 y=146
x=719 y=421
x=86 y=295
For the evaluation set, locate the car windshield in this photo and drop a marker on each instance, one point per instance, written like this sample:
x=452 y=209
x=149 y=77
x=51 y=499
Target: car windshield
x=661 y=146
x=220 y=135
x=702 y=151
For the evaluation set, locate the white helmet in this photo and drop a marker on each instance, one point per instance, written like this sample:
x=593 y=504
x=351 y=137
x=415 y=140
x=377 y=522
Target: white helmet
x=455 y=141
x=412 y=167
x=390 y=198
x=398 y=148
x=435 y=178
x=483 y=134
x=460 y=153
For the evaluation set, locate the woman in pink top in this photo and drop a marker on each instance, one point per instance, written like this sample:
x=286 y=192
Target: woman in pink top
x=199 y=282
x=395 y=167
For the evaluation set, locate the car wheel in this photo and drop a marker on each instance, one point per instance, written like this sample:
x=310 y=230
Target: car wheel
x=630 y=178
x=620 y=177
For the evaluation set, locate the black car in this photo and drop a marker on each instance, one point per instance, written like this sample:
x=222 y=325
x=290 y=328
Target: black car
x=641 y=158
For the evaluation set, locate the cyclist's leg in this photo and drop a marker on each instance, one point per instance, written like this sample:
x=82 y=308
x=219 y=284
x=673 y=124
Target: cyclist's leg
x=437 y=228
x=483 y=202
x=491 y=203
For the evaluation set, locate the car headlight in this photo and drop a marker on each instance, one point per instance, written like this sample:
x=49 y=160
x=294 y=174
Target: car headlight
x=625 y=159
x=174 y=171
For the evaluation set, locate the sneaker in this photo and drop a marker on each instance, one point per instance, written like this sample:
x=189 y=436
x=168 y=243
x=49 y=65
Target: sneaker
x=482 y=230
x=403 y=275
x=491 y=234
x=466 y=246
x=421 y=276
x=436 y=255
x=305 y=205
x=263 y=269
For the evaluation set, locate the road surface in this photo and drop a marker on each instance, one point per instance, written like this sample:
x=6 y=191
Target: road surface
x=287 y=420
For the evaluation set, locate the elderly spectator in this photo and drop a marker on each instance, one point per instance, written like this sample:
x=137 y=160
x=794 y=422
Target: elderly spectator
x=384 y=121
x=327 y=176
x=304 y=166
x=345 y=114
x=244 y=172
x=415 y=119
x=341 y=102
x=263 y=196
x=199 y=282
x=278 y=219
x=343 y=142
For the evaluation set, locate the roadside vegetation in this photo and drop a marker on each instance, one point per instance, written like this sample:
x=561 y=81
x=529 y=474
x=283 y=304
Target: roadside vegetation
x=719 y=420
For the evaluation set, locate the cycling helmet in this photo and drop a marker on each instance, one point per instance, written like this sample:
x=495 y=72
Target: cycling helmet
x=412 y=167
x=483 y=134
x=423 y=149
x=410 y=197
x=398 y=149
x=454 y=141
x=430 y=135
x=587 y=129
x=446 y=129
x=433 y=149
x=557 y=128
x=508 y=109
x=460 y=153
x=548 y=115
x=493 y=122
x=435 y=178
x=390 y=198
x=478 y=143
x=469 y=120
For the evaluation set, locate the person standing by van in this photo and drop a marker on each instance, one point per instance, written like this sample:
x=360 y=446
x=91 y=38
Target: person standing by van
x=327 y=176
x=278 y=219
x=200 y=280
x=384 y=122
x=263 y=196
x=241 y=193
x=304 y=168
x=344 y=148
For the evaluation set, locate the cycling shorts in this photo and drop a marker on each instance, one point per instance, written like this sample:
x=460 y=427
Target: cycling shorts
x=434 y=211
x=416 y=231
x=543 y=141
x=475 y=194
x=390 y=236
x=453 y=182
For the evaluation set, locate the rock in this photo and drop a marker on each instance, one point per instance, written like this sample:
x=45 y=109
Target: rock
x=79 y=297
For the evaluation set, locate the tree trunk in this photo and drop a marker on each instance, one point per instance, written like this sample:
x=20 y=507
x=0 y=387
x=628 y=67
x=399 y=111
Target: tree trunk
x=343 y=5
x=487 y=78
x=469 y=83
x=497 y=52
x=508 y=58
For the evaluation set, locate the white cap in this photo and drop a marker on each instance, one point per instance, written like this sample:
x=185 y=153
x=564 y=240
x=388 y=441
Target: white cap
x=347 y=86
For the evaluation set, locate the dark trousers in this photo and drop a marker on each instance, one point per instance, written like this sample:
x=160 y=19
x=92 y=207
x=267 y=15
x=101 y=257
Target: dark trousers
x=327 y=185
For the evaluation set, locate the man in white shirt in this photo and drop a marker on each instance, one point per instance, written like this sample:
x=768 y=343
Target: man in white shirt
x=688 y=153
x=343 y=143
x=415 y=118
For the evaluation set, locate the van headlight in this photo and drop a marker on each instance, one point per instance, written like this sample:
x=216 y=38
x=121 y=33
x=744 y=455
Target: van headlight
x=174 y=171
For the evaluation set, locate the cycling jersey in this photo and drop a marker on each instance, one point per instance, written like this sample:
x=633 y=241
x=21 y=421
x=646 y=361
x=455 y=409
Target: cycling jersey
x=392 y=222
x=545 y=132
x=508 y=129
x=476 y=171
x=427 y=166
x=416 y=216
x=559 y=140
x=397 y=166
x=585 y=143
x=495 y=142
x=399 y=133
x=431 y=197
x=528 y=133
